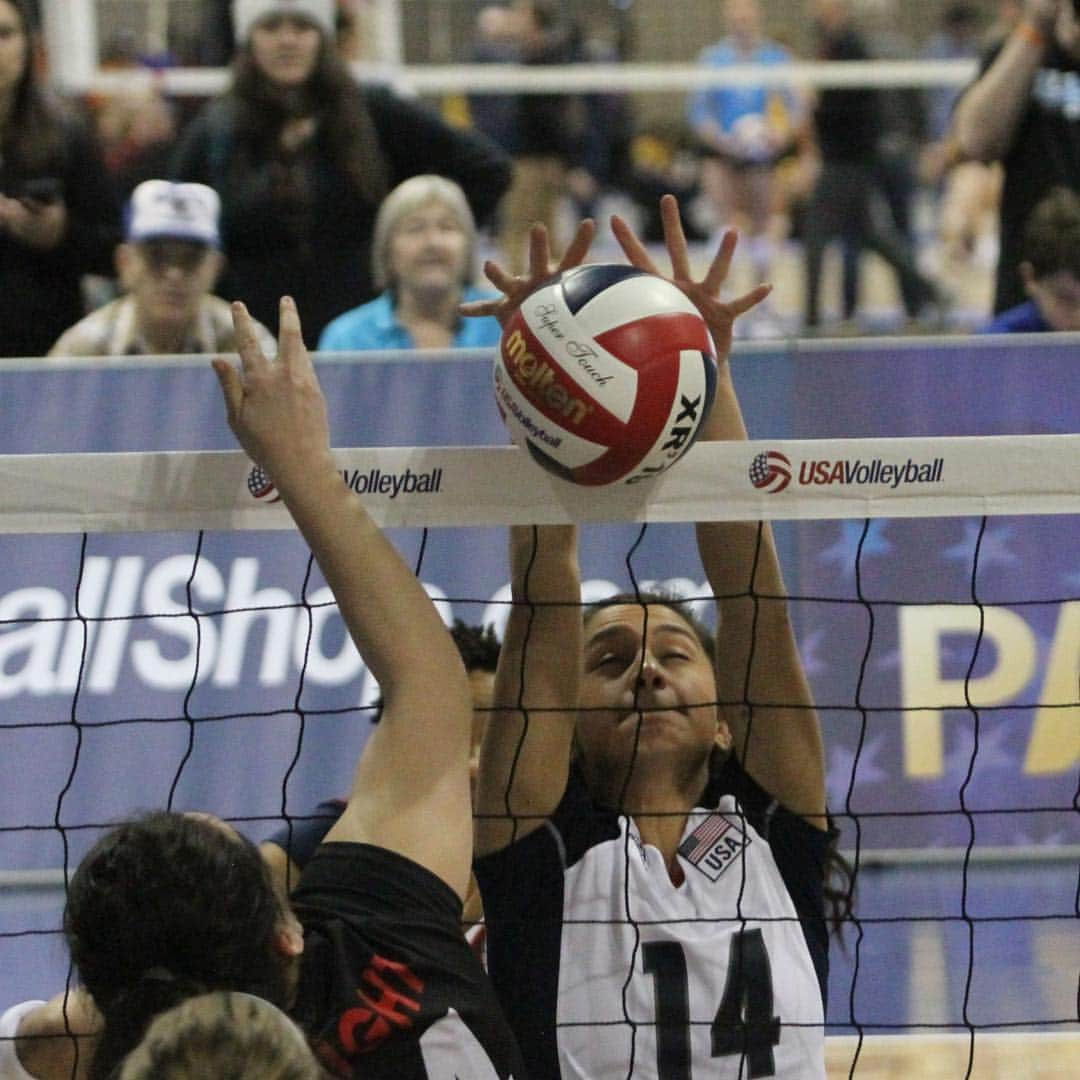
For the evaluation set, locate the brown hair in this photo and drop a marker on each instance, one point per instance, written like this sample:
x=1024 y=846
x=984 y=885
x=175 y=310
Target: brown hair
x=32 y=139
x=1052 y=235
x=332 y=95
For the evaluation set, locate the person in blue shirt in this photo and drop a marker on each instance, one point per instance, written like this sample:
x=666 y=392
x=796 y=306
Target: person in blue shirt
x=1049 y=270
x=423 y=257
x=744 y=130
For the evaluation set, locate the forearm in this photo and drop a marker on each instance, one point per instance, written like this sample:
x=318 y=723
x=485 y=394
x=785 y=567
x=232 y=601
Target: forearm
x=385 y=608
x=987 y=116
x=525 y=756
x=761 y=684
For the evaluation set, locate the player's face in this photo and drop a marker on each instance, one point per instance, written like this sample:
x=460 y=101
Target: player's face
x=285 y=49
x=14 y=49
x=428 y=250
x=1058 y=298
x=168 y=279
x=648 y=693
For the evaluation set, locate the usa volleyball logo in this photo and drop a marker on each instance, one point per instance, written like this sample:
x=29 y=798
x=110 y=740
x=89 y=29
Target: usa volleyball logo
x=261 y=486
x=770 y=471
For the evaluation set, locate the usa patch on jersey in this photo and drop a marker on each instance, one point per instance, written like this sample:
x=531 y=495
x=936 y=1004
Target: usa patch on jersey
x=713 y=845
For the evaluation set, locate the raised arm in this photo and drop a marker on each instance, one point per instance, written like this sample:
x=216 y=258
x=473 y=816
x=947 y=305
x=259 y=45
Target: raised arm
x=410 y=793
x=988 y=114
x=525 y=756
x=777 y=739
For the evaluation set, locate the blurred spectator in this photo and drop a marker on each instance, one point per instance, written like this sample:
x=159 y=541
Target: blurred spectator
x=495 y=41
x=902 y=114
x=547 y=135
x=167 y=266
x=604 y=160
x=135 y=123
x=663 y=158
x=847 y=124
x=216 y=44
x=424 y=257
x=1009 y=13
x=965 y=189
x=1022 y=110
x=302 y=156
x=957 y=38
x=1049 y=269
x=59 y=215
x=137 y=131
x=743 y=131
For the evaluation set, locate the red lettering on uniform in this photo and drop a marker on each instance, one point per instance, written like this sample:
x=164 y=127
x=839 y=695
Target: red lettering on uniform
x=389 y=992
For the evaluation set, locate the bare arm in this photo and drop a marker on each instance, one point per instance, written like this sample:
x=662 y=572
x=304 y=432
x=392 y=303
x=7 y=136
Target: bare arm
x=55 y=1040
x=410 y=792
x=525 y=756
x=778 y=738
x=778 y=741
x=987 y=116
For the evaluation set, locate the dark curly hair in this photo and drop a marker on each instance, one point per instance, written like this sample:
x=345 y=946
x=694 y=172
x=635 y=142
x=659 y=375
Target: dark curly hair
x=164 y=907
x=478 y=645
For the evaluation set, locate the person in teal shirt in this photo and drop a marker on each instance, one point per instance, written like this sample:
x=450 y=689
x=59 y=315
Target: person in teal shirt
x=423 y=257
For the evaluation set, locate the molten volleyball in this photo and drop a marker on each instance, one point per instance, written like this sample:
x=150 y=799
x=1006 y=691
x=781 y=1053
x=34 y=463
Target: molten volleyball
x=605 y=374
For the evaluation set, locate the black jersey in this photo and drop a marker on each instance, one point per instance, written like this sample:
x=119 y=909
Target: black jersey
x=388 y=986
x=606 y=968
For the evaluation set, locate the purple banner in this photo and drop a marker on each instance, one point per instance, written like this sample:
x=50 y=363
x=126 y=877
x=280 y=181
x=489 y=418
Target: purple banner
x=214 y=672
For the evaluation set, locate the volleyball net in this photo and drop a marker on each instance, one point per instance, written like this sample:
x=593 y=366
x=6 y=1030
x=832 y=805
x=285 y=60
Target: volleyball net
x=166 y=640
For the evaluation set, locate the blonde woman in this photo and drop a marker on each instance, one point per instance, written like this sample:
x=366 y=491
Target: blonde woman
x=423 y=258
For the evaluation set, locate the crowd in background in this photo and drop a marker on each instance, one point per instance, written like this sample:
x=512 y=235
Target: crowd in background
x=302 y=168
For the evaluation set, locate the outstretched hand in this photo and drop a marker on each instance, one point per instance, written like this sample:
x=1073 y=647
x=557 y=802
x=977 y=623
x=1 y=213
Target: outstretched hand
x=515 y=288
x=705 y=294
x=276 y=409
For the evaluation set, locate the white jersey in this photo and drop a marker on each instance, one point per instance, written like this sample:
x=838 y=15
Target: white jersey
x=608 y=969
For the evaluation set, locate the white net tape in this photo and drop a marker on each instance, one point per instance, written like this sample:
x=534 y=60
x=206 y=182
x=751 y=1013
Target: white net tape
x=412 y=486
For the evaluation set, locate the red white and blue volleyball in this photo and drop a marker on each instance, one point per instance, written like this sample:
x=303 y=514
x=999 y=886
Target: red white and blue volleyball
x=605 y=374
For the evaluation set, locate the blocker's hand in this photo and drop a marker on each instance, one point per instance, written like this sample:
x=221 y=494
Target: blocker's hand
x=541 y=267
x=276 y=409
x=705 y=293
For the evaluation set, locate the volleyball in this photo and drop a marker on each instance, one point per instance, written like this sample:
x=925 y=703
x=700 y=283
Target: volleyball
x=605 y=374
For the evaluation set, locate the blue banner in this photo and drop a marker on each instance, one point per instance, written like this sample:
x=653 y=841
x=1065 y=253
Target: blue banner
x=213 y=671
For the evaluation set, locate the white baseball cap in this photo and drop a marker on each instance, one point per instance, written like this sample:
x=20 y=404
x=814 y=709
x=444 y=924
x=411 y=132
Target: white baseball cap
x=246 y=13
x=161 y=209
